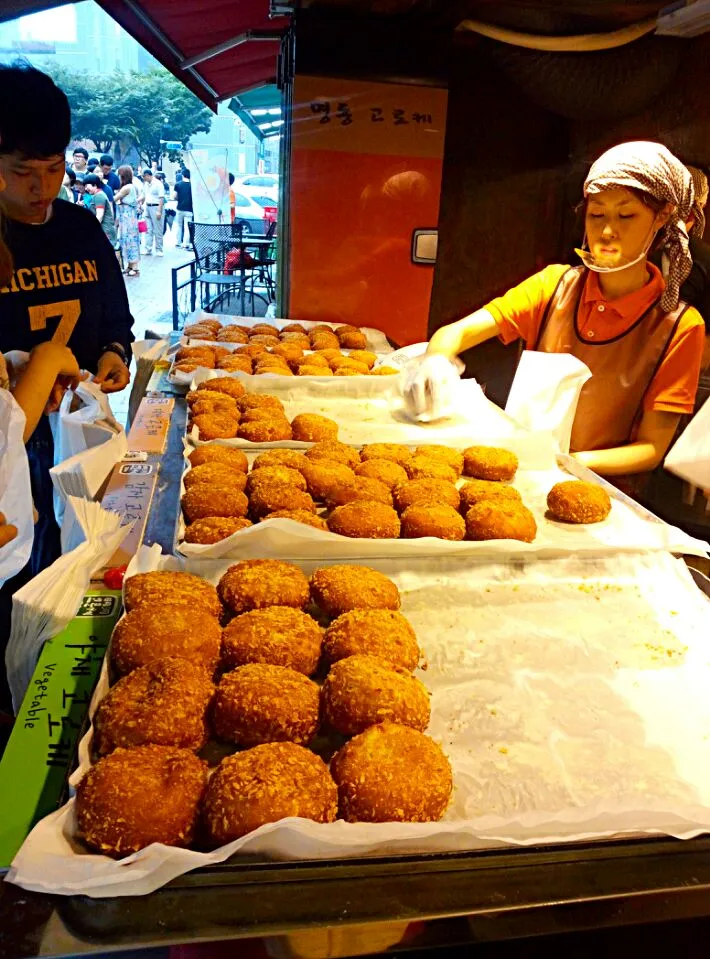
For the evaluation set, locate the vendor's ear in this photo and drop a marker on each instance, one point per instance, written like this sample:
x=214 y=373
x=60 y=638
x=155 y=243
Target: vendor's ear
x=664 y=214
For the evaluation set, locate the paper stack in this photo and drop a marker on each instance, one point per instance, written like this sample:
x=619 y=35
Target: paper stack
x=146 y=353
x=43 y=607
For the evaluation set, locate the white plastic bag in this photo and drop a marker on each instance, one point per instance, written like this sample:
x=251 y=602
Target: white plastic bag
x=545 y=393
x=689 y=458
x=15 y=492
x=84 y=420
x=45 y=605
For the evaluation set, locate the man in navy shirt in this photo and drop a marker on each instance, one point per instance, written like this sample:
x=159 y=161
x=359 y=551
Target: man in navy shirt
x=109 y=177
x=66 y=285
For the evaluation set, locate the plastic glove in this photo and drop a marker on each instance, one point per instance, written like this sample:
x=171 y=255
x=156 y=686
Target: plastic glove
x=430 y=386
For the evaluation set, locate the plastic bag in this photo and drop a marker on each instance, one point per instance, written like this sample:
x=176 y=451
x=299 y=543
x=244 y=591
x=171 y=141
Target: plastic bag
x=689 y=457
x=545 y=393
x=15 y=492
x=45 y=605
x=84 y=420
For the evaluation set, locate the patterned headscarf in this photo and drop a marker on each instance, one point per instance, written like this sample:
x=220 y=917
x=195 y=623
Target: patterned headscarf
x=700 y=185
x=651 y=167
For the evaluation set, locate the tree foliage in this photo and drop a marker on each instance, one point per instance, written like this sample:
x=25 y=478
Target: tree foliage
x=144 y=107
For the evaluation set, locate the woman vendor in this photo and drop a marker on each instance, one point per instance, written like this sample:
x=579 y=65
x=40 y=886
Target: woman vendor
x=616 y=313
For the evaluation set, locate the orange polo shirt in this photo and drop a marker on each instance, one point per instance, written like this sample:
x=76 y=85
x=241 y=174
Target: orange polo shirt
x=520 y=311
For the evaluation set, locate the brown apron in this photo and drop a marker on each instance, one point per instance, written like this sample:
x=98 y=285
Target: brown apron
x=611 y=402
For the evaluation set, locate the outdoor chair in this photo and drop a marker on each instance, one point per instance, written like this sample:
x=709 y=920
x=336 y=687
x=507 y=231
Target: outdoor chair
x=211 y=242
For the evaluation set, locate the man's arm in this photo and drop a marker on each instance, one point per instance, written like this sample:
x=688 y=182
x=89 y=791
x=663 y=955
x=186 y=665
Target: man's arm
x=116 y=324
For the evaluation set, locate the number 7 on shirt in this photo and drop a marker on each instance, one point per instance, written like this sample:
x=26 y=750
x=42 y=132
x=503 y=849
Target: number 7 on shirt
x=68 y=312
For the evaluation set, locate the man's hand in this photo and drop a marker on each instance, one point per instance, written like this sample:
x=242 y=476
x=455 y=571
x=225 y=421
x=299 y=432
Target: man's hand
x=112 y=373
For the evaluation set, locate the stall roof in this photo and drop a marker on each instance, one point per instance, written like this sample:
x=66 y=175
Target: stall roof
x=218 y=48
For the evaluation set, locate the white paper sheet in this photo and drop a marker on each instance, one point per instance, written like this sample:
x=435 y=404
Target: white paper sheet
x=15 y=492
x=370 y=410
x=689 y=457
x=627 y=528
x=570 y=696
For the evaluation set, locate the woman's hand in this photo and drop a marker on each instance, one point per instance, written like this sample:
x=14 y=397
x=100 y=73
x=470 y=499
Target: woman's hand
x=430 y=384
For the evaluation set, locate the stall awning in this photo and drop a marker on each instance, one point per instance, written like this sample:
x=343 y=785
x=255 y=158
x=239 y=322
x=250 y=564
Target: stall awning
x=218 y=48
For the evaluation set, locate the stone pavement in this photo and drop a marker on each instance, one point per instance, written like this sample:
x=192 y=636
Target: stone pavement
x=150 y=293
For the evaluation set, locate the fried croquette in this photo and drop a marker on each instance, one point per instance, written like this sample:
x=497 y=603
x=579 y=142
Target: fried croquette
x=269 y=497
x=275 y=474
x=260 y=703
x=264 y=329
x=164 y=702
x=266 y=339
x=263 y=785
x=188 y=366
x=334 y=450
x=288 y=351
x=166 y=586
x=427 y=467
x=358 y=488
x=193 y=396
x=338 y=589
x=364 y=356
x=215 y=473
x=224 y=404
x=253 y=401
x=500 y=519
x=257 y=583
x=392 y=773
x=216 y=426
x=322 y=475
x=383 y=633
x=389 y=473
x=232 y=334
x=342 y=361
x=115 y=811
x=396 y=452
x=235 y=364
x=312 y=359
x=433 y=519
x=293 y=328
x=212 y=529
x=297 y=339
x=477 y=490
x=364 y=519
x=346 y=328
x=277 y=635
x=309 y=370
x=384 y=371
x=346 y=371
x=452 y=457
x=329 y=354
x=361 y=691
x=312 y=428
x=574 y=501
x=424 y=491
x=224 y=384
x=251 y=349
x=490 y=463
x=260 y=414
x=203 y=500
x=353 y=340
x=166 y=629
x=298 y=516
x=216 y=453
x=324 y=341
x=290 y=458
x=265 y=431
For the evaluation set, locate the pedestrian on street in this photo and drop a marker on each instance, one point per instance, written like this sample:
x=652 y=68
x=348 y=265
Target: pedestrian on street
x=154 y=204
x=127 y=209
x=183 y=195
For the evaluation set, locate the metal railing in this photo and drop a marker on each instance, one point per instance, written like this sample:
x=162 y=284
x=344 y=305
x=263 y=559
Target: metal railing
x=189 y=292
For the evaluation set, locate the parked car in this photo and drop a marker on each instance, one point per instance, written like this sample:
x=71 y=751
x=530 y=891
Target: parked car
x=259 y=184
x=270 y=208
x=250 y=213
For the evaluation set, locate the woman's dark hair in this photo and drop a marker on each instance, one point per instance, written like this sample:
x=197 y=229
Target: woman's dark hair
x=91 y=179
x=93 y=163
x=35 y=119
x=125 y=174
x=72 y=177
